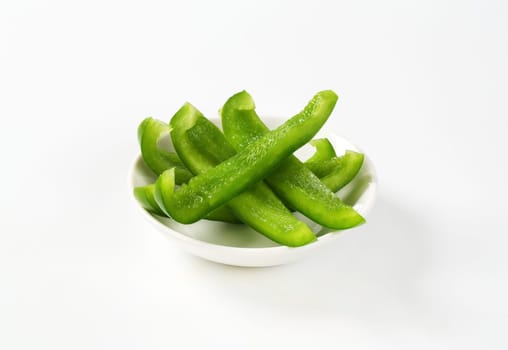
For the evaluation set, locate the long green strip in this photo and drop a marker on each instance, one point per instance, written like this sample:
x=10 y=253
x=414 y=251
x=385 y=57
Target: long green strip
x=146 y=198
x=295 y=184
x=218 y=185
x=150 y=131
x=335 y=172
x=324 y=151
x=204 y=146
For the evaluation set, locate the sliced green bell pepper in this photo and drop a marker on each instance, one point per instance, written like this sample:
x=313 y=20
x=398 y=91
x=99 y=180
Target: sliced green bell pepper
x=294 y=183
x=337 y=172
x=216 y=186
x=324 y=151
x=150 y=131
x=145 y=197
x=203 y=146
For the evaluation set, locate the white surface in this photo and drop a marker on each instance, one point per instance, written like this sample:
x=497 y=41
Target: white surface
x=239 y=245
x=423 y=91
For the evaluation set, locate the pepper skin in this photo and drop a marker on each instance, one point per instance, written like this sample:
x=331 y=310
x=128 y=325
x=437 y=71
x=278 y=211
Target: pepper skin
x=150 y=131
x=294 y=183
x=258 y=206
x=216 y=186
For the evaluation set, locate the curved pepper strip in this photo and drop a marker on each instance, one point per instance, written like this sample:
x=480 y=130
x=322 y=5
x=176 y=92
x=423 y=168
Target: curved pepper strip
x=324 y=151
x=146 y=197
x=150 y=131
x=294 y=183
x=216 y=186
x=202 y=146
x=337 y=172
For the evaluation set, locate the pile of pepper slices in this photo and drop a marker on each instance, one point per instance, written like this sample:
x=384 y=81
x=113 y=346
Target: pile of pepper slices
x=246 y=173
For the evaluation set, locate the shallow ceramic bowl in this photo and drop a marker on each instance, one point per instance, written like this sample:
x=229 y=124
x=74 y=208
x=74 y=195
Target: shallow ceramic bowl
x=236 y=244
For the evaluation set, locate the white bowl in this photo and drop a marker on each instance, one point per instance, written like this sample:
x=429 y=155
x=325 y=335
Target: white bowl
x=239 y=245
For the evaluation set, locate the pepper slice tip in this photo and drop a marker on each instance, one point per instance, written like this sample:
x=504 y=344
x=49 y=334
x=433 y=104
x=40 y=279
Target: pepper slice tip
x=164 y=188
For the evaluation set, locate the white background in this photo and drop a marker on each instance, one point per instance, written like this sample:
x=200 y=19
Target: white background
x=423 y=90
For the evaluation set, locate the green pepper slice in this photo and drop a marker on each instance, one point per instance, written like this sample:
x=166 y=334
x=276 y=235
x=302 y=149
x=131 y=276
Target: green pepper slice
x=294 y=183
x=324 y=150
x=216 y=186
x=203 y=146
x=337 y=172
x=146 y=198
x=150 y=131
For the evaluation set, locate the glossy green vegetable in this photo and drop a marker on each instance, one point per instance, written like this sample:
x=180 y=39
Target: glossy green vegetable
x=294 y=183
x=146 y=197
x=202 y=146
x=324 y=151
x=216 y=186
x=335 y=172
x=150 y=131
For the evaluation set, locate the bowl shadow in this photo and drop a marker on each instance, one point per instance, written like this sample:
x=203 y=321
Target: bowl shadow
x=370 y=271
